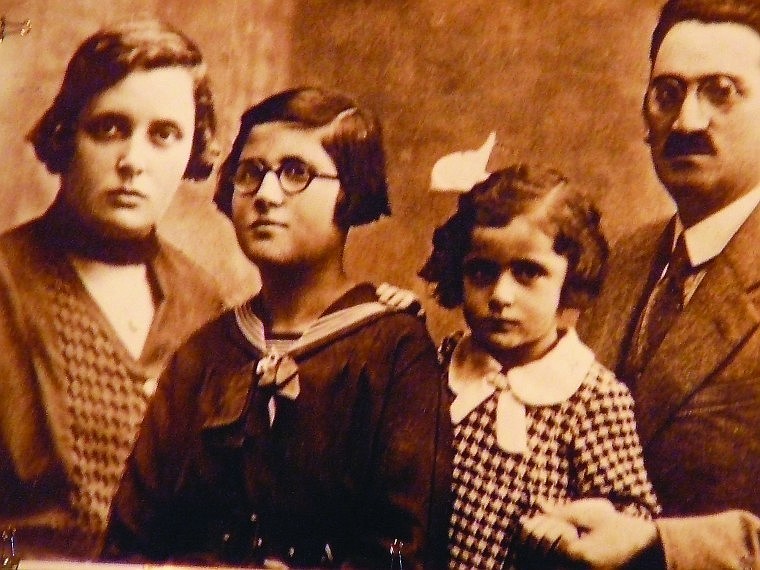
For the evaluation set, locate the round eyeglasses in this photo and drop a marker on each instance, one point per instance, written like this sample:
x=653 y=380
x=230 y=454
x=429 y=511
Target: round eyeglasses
x=667 y=94
x=294 y=175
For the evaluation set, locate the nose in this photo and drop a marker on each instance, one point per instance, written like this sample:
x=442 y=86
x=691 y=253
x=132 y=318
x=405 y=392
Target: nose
x=270 y=190
x=132 y=158
x=693 y=115
x=503 y=293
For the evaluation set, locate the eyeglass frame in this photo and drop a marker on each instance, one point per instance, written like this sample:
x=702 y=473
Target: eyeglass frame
x=266 y=169
x=653 y=105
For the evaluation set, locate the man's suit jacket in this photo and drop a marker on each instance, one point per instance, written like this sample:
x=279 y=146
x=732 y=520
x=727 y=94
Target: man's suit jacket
x=698 y=398
x=727 y=540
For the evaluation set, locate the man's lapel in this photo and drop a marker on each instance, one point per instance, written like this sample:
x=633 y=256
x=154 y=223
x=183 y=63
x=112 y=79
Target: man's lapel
x=717 y=319
x=605 y=328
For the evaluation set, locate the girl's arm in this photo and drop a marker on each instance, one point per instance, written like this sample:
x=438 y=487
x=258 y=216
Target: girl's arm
x=143 y=524
x=608 y=454
x=408 y=487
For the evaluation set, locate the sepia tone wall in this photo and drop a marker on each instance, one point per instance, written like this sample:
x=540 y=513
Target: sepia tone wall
x=560 y=82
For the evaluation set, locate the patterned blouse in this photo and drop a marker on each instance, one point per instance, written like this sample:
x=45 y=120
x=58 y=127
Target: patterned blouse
x=558 y=428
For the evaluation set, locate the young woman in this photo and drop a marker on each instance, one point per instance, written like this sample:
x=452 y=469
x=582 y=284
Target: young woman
x=92 y=301
x=301 y=427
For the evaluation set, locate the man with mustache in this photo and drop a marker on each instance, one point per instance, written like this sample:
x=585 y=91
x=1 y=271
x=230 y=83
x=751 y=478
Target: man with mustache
x=689 y=290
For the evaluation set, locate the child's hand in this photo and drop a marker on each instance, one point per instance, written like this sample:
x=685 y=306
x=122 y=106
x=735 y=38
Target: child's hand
x=397 y=298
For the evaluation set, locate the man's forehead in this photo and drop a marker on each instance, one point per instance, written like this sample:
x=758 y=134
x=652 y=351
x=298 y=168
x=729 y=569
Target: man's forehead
x=695 y=49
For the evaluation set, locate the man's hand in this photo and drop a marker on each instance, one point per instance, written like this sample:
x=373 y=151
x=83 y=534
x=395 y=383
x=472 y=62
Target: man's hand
x=606 y=538
x=547 y=533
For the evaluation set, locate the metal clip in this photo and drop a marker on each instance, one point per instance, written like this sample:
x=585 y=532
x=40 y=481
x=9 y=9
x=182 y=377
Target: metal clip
x=8 y=556
x=8 y=28
x=397 y=555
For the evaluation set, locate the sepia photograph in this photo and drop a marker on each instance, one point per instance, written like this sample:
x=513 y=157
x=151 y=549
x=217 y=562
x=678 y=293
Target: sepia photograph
x=379 y=284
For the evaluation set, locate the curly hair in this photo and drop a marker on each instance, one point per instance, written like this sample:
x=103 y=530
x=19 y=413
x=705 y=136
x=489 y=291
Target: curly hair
x=104 y=59
x=564 y=214
x=353 y=142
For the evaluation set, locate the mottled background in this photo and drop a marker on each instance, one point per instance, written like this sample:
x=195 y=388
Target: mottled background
x=561 y=83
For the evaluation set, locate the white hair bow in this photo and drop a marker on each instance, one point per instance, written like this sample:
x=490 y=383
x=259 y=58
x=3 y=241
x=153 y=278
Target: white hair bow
x=461 y=170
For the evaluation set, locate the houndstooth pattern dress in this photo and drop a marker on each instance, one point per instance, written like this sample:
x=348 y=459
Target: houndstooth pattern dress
x=583 y=446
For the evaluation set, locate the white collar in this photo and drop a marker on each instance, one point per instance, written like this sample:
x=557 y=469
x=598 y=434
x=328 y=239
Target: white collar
x=474 y=375
x=708 y=237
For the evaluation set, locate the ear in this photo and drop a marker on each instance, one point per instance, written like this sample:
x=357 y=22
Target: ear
x=645 y=117
x=342 y=216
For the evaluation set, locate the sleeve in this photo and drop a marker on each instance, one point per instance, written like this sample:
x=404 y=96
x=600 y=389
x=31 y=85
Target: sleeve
x=146 y=522
x=409 y=483
x=608 y=453
x=29 y=408
x=726 y=540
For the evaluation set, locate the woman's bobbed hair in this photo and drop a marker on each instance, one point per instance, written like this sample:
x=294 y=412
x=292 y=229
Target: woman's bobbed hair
x=353 y=141
x=104 y=59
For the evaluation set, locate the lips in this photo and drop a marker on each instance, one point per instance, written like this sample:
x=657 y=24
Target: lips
x=126 y=195
x=502 y=325
x=264 y=223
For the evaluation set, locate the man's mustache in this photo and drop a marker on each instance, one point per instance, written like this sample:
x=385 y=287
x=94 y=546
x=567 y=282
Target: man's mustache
x=685 y=144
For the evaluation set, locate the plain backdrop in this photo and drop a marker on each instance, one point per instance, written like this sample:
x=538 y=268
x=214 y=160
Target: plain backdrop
x=560 y=81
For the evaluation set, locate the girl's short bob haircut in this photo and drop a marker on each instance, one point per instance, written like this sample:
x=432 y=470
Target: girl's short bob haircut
x=353 y=142
x=563 y=213
x=104 y=59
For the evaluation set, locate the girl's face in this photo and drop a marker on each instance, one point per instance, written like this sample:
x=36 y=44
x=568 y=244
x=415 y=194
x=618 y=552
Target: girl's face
x=286 y=227
x=512 y=285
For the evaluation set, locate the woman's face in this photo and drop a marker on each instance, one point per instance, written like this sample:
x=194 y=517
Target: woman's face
x=131 y=147
x=275 y=227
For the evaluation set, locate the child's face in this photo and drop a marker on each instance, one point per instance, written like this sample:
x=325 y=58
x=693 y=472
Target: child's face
x=512 y=285
x=283 y=228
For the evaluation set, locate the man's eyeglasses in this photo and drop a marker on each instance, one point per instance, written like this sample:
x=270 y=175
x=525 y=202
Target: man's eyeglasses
x=667 y=94
x=293 y=174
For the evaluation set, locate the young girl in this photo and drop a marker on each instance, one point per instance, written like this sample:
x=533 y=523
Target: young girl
x=299 y=428
x=536 y=417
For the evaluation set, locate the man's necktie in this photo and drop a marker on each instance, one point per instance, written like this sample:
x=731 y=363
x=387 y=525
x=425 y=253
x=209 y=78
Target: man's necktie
x=664 y=303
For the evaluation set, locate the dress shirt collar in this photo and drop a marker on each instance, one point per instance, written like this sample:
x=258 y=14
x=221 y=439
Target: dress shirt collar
x=708 y=237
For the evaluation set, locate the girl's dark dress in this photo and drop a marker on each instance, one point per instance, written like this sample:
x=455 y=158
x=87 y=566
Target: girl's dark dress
x=332 y=478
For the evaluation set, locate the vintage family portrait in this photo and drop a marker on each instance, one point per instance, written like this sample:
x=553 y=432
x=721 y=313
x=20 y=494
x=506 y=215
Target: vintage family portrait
x=379 y=284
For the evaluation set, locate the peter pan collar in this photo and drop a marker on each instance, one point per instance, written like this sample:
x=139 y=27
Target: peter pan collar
x=474 y=375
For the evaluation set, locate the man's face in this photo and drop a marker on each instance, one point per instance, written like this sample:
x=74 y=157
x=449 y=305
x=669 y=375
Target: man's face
x=131 y=148
x=703 y=113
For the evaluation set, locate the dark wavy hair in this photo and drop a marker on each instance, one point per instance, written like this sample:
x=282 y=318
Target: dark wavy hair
x=564 y=213
x=354 y=143
x=104 y=59
x=746 y=12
